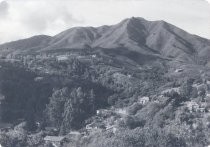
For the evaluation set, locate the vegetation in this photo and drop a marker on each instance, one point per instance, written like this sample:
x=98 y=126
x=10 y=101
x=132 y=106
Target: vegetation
x=148 y=106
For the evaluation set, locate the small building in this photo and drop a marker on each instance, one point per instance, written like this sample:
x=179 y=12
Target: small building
x=93 y=126
x=51 y=130
x=111 y=128
x=195 y=107
x=36 y=79
x=208 y=95
x=75 y=135
x=5 y=126
x=56 y=141
x=2 y=97
x=62 y=57
x=94 y=56
x=122 y=111
x=179 y=70
x=170 y=90
x=103 y=112
x=89 y=126
x=202 y=109
x=144 y=100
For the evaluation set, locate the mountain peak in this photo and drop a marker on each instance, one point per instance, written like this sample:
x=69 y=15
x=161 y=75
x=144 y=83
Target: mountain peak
x=131 y=20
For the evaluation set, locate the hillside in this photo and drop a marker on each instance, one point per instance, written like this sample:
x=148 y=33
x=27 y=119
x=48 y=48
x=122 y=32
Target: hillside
x=136 y=83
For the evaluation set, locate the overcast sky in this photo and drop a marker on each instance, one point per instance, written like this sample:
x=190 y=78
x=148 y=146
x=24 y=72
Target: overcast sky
x=25 y=18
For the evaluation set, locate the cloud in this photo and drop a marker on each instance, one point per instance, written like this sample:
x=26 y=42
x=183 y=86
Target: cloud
x=49 y=16
x=208 y=1
x=4 y=9
x=34 y=17
x=25 y=18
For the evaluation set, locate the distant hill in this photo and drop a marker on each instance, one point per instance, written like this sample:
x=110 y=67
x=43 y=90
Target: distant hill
x=135 y=34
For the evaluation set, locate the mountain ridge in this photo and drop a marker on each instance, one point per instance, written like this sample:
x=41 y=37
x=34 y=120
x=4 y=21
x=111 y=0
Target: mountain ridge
x=136 y=34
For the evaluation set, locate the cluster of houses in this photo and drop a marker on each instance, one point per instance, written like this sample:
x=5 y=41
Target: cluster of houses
x=73 y=136
x=175 y=89
x=58 y=141
x=108 y=126
x=193 y=106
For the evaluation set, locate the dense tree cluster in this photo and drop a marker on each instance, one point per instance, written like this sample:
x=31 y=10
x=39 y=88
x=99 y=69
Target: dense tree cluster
x=68 y=108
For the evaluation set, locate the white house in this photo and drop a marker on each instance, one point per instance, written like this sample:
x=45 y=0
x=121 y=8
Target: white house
x=195 y=107
x=38 y=79
x=208 y=95
x=75 y=135
x=57 y=141
x=62 y=57
x=176 y=89
x=94 y=56
x=103 y=112
x=121 y=111
x=2 y=97
x=111 y=128
x=179 y=70
x=143 y=100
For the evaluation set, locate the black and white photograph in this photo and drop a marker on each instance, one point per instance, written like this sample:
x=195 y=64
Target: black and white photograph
x=104 y=73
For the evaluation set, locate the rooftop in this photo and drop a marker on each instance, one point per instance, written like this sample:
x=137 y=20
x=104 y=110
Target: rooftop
x=54 y=138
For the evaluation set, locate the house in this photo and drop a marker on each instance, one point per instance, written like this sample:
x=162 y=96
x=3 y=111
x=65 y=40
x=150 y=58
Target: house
x=36 y=79
x=103 y=112
x=144 y=100
x=193 y=106
x=5 y=127
x=94 y=56
x=202 y=109
x=121 y=111
x=208 y=82
x=62 y=57
x=129 y=76
x=179 y=70
x=51 y=130
x=75 y=135
x=208 y=95
x=2 y=97
x=89 y=126
x=92 y=126
x=57 y=141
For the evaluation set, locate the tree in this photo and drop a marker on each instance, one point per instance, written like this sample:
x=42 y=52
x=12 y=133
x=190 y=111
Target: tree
x=92 y=100
x=56 y=106
x=186 y=88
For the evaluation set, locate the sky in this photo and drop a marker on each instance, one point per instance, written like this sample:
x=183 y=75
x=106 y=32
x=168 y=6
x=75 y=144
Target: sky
x=25 y=18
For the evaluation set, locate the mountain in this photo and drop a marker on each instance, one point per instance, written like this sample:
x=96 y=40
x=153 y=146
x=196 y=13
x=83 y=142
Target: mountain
x=135 y=34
